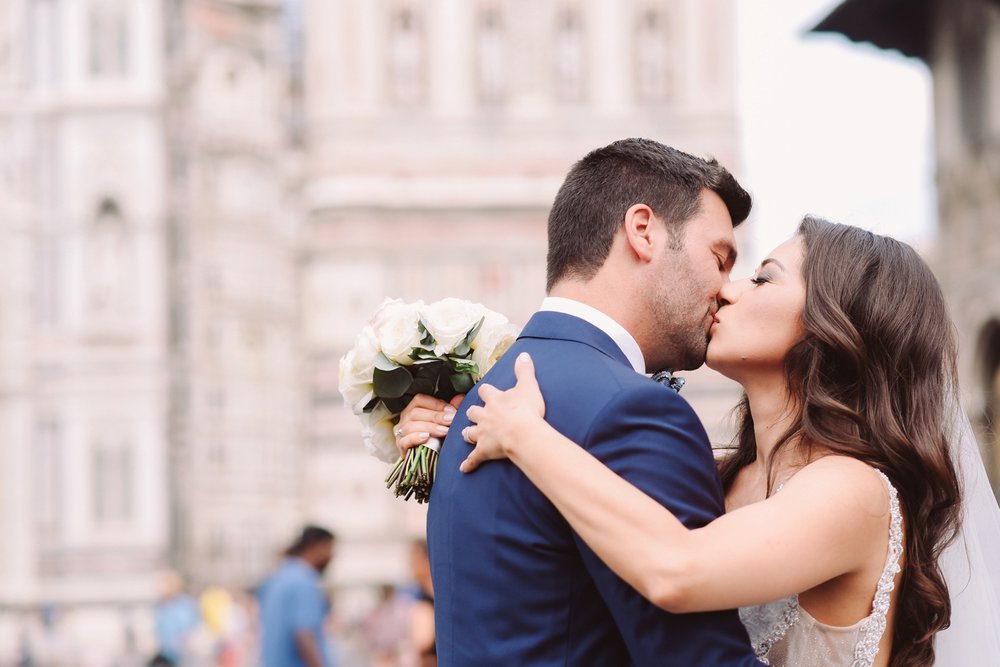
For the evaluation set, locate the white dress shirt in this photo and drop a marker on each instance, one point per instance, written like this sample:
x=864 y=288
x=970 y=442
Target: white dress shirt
x=622 y=338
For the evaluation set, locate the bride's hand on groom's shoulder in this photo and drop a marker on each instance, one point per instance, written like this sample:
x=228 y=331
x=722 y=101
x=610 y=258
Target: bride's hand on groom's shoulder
x=425 y=417
x=505 y=417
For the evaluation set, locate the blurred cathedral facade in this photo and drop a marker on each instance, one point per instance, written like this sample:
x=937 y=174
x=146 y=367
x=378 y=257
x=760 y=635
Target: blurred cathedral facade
x=201 y=203
x=151 y=407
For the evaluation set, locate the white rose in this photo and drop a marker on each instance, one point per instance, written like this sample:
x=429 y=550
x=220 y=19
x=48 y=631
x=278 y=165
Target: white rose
x=395 y=326
x=491 y=320
x=357 y=368
x=490 y=344
x=449 y=321
x=377 y=434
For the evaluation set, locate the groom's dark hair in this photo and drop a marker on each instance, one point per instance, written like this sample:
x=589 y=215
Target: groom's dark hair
x=599 y=189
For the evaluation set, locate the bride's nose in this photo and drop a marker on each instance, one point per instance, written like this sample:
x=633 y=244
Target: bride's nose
x=730 y=292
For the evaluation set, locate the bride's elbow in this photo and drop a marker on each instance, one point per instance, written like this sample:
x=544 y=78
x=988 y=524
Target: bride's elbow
x=673 y=586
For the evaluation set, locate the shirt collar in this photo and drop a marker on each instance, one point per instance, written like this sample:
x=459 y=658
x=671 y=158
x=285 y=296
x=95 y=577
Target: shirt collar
x=622 y=338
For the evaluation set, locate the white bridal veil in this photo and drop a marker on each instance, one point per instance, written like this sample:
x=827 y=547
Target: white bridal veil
x=971 y=565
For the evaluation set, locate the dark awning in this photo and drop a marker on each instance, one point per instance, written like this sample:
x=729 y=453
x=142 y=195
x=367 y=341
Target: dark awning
x=903 y=25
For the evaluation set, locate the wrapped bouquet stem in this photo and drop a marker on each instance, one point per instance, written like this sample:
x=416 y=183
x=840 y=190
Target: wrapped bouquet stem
x=414 y=472
x=441 y=350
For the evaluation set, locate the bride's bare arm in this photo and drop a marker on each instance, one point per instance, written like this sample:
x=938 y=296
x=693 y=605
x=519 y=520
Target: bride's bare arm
x=827 y=521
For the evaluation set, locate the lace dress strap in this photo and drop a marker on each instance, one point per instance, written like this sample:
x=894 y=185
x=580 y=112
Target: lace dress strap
x=873 y=627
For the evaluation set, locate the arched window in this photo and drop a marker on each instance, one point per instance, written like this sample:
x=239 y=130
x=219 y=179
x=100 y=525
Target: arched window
x=406 y=57
x=108 y=38
x=652 y=56
x=49 y=466
x=11 y=45
x=491 y=56
x=569 y=50
x=44 y=44
x=112 y=480
x=110 y=264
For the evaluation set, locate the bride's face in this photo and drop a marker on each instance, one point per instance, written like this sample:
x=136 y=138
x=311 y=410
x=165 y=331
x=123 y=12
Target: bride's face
x=761 y=316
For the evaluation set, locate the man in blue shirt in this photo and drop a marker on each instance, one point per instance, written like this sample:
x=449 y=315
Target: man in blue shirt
x=176 y=617
x=293 y=605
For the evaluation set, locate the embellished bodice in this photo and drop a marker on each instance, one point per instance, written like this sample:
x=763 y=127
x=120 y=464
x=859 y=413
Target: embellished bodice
x=784 y=634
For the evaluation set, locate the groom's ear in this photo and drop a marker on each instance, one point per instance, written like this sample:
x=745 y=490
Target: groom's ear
x=640 y=229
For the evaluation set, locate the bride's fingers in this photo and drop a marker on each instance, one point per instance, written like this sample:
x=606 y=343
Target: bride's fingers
x=524 y=371
x=419 y=426
x=418 y=414
x=412 y=440
x=471 y=462
x=487 y=392
x=527 y=381
x=471 y=434
x=475 y=413
x=424 y=402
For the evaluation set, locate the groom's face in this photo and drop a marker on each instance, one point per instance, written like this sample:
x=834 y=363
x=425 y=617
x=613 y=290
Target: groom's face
x=690 y=277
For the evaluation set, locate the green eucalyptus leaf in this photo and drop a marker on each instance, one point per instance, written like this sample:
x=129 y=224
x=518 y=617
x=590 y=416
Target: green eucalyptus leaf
x=415 y=353
x=420 y=354
x=396 y=405
x=462 y=382
x=426 y=339
x=427 y=357
x=442 y=382
x=471 y=336
x=427 y=367
x=465 y=366
x=426 y=381
x=391 y=383
x=370 y=405
x=424 y=386
x=384 y=363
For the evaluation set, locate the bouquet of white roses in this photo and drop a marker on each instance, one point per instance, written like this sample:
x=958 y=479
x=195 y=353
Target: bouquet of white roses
x=441 y=349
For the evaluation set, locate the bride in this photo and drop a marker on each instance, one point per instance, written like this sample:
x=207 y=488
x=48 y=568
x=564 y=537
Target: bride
x=843 y=492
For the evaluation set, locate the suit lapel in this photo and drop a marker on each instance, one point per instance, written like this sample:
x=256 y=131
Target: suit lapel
x=549 y=325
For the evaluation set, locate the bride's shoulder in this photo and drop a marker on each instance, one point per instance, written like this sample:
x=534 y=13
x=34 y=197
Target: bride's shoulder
x=852 y=481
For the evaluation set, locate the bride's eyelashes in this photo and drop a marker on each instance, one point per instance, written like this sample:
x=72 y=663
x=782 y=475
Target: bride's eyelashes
x=761 y=279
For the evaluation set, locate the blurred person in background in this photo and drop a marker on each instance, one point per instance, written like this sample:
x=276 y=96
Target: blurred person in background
x=386 y=627
x=227 y=625
x=421 y=623
x=293 y=606
x=26 y=656
x=176 y=618
x=399 y=631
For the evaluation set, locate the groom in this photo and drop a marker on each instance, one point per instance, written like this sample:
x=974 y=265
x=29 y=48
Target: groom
x=640 y=242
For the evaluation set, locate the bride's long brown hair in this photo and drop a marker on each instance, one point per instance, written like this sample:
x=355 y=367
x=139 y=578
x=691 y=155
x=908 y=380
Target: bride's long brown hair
x=875 y=374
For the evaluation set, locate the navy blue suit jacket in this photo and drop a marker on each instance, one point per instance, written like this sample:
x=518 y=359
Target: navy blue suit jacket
x=513 y=584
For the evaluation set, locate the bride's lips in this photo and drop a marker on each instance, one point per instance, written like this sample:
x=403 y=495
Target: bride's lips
x=715 y=320
x=710 y=321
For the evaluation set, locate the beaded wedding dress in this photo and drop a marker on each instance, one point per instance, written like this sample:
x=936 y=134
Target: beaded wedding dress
x=783 y=634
